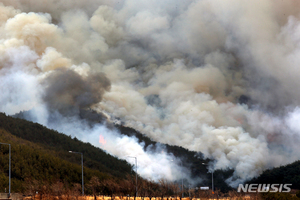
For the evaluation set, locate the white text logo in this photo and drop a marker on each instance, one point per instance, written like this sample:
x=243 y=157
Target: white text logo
x=264 y=188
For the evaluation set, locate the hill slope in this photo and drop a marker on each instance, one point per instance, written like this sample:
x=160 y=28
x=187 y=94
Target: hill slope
x=288 y=174
x=191 y=160
x=31 y=163
x=95 y=158
x=41 y=155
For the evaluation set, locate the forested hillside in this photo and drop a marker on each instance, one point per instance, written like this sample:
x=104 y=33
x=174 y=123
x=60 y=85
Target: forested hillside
x=95 y=158
x=40 y=156
x=288 y=174
x=190 y=159
x=31 y=163
x=41 y=163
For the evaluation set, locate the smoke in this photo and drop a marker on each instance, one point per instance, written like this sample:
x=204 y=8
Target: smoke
x=219 y=77
x=65 y=88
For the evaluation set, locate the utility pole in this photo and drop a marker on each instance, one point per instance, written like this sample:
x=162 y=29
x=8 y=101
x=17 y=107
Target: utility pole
x=212 y=180
x=82 y=183
x=9 y=173
x=136 y=193
x=181 y=178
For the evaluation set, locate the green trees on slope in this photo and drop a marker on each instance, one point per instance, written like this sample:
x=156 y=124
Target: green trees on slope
x=288 y=174
x=59 y=143
x=31 y=162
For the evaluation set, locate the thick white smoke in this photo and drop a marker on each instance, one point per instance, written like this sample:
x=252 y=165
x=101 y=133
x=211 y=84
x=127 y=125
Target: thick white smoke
x=219 y=77
x=153 y=164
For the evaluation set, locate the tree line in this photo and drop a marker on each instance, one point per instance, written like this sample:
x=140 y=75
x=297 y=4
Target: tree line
x=62 y=143
x=41 y=157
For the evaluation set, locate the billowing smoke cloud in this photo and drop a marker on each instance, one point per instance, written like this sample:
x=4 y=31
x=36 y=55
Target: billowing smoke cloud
x=154 y=163
x=219 y=77
x=66 y=89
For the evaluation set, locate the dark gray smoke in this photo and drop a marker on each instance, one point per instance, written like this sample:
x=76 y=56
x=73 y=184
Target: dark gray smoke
x=65 y=90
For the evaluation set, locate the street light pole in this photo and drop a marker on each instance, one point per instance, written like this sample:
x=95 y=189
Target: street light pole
x=9 y=173
x=212 y=179
x=135 y=174
x=181 y=178
x=82 y=183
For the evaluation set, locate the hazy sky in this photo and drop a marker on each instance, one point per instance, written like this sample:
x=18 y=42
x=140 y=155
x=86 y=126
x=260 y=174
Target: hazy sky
x=219 y=77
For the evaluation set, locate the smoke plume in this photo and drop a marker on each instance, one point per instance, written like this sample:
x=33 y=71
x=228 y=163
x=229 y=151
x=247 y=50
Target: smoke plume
x=218 y=77
x=66 y=89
